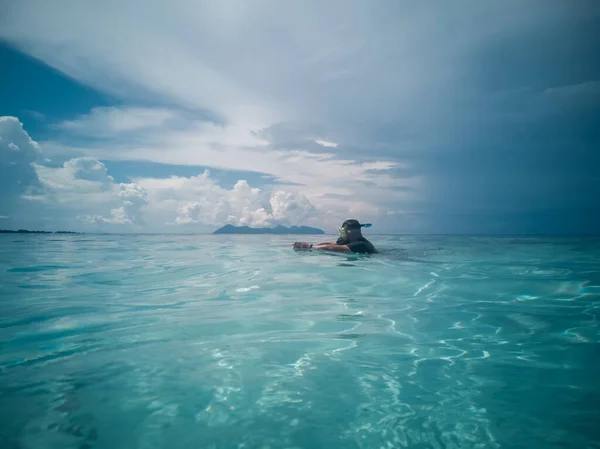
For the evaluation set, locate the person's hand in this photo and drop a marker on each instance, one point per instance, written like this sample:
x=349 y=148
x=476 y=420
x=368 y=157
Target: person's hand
x=302 y=245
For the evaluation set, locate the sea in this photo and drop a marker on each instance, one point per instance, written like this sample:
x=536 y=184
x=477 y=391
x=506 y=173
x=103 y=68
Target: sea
x=209 y=342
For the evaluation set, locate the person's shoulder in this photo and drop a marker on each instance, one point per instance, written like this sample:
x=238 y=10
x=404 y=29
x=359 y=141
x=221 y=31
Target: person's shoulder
x=362 y=246
x=370 y=246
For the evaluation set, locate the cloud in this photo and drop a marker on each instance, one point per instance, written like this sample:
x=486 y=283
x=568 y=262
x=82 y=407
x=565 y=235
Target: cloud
x=110 y=121
x=197 y=142
x=325 y=143
x=134 y=199
x=127 y=128
x=81 y=189
x=88 y=169
x=286 y=205
x=288 y=64
x=158 y=204
x=18 y=153
x=81 y=194
x=467 y=108
x=35 y=114
x=199 y=199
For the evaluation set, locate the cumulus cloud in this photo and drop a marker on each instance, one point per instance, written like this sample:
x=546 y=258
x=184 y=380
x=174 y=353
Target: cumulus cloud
x=75 y=179
x=18 y=153
x=196 y=201
x=133 y=195
x=134 y=198
x=82 y=194
x=189 y=213
x=200 y=199
x=287 y=205
x=88 y=169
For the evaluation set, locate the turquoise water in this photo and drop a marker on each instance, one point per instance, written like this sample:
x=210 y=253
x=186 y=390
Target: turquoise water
x=239 y=342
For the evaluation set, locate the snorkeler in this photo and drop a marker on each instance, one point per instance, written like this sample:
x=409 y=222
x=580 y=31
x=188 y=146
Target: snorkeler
x=351 y=240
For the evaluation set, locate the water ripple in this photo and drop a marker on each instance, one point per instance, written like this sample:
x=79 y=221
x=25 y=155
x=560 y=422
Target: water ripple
x=239 y=342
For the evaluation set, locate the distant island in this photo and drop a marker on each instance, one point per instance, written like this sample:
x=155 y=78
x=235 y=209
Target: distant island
x=25 y=231
x=279 y=230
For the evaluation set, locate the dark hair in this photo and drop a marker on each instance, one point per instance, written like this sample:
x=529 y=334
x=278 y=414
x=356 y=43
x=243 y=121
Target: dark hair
x=351 y=224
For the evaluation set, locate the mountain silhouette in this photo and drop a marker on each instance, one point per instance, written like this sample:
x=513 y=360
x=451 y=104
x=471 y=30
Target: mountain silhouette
x=279 y=230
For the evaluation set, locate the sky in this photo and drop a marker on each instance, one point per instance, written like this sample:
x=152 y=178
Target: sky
x=183 y=116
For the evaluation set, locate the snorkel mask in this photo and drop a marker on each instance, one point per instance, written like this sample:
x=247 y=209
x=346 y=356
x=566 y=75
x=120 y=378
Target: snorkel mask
x=344 y=233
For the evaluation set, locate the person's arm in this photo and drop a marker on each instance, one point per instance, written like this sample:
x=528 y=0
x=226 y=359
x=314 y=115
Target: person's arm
x=332 y=247
x=326 y=246
x=305 y=245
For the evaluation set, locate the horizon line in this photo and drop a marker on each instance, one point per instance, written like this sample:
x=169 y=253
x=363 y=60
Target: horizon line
x=474 y=234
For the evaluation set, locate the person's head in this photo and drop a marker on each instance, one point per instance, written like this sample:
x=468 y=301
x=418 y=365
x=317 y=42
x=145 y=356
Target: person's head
x=350 y=230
